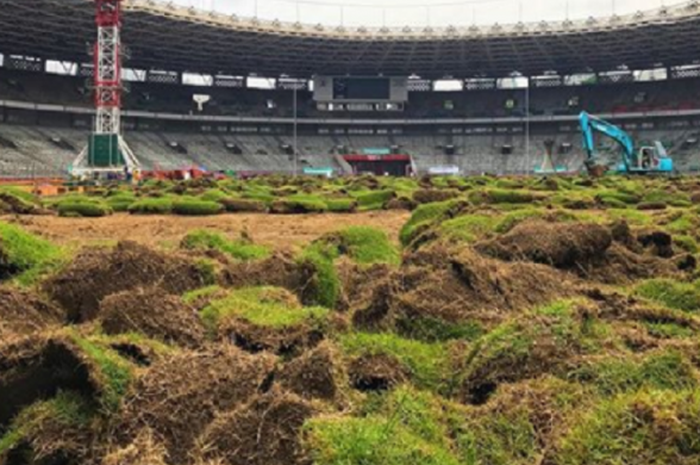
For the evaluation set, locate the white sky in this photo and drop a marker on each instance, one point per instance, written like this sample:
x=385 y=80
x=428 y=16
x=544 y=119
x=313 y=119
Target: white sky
x=398 y=13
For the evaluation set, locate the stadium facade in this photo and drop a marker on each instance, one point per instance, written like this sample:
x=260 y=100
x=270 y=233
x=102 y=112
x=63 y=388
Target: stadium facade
x=518 y=89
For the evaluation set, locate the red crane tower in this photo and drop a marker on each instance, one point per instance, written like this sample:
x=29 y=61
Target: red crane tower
x=107 y=151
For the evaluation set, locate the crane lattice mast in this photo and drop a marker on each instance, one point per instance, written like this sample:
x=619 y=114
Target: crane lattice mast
x=107 y=151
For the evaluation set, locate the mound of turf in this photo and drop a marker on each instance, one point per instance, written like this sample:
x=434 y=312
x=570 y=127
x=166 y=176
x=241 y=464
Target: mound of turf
x=373 y=200
x=98 y=272
x=340 y=205
x=559 y=245
x=299 y=203
x=121 y=201
x=243 y=205
x=504 y=196
x=427 y=363
x=635 y=429
x=323 y=285
x=242 y=249
x=24 y=312
x=424 y=216
x=196 y=207
x=261 y=306
x=201 y=385
x=154 y=313
x=60 y=422
x=86 y=207
x=277 y=416
x=17 y=201
x=365 y=245
x=152 y=206
x=25 y=256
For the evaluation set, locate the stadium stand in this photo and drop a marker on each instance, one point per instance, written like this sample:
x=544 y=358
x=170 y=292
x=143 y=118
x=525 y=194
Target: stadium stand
x=46 y=117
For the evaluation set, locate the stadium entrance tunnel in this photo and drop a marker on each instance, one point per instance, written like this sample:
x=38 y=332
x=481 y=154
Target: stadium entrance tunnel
x=393 y=165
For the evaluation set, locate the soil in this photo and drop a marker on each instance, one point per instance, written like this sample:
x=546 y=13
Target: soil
x=99 y=272
x=181 y=395
x=280 y=270
x=461 y=286
x=153 y=312
x=376 y=372
x=559 y=245
x=23 y=312
x=495 y=329
x=280 y=231
x=287 y=341
x=317 y=374
x=266 y=431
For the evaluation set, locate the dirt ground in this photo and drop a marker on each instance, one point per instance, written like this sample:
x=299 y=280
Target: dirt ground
x=280 y=231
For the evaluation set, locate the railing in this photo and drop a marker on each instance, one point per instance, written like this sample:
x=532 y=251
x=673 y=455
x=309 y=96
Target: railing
x=350 y=121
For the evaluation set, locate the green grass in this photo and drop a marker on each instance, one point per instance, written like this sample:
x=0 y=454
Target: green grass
x=365 y=245
x=25 y=256
x=660 y=370
x=669 y=330
x=373 y=200
x=300 y=203
x=121 y=201
x=22 y=194
x=258 y=193
x=686 y=243
x=505 y=431
x=22 y=201
x=325 y=286
x=214 y=195
x=241 y=249
x=504 y=196
x=86 y=207
x=235 y=204
x=468 y=228
x=431 y=329
x=373 y=440
x=424 y=216
x=614 y=197
x=641 y=428
x=196 y=207
x=673 y=294
x=261 y=306
x=633 y=217
x=500 y=438
x=684 y=223
x=509 y=344
x=192 y=296
x=113 y=373
x=152 y=206
x=340 y=205
x=674 y=199
x=428 y=363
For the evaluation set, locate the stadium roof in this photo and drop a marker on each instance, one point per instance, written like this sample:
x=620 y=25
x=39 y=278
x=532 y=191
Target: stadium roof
x=162 y=36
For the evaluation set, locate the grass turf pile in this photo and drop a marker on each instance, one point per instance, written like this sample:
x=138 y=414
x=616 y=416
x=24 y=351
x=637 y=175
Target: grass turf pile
x=83 y=206
x=25 y=256
x=493 y=337
x=242 y=249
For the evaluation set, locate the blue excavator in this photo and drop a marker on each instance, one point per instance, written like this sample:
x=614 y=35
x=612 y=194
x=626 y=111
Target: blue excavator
x=646 y=160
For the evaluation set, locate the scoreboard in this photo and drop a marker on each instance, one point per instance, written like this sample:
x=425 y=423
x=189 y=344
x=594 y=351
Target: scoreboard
x=360 y=89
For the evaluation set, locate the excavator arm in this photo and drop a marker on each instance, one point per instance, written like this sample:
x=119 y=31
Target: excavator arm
x=590 y=123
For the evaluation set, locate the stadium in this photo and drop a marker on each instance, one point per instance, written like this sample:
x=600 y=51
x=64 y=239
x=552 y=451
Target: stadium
x=402 y=236
x=519 y=86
